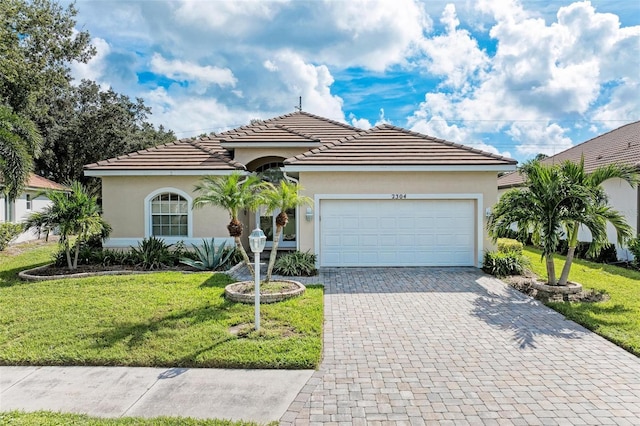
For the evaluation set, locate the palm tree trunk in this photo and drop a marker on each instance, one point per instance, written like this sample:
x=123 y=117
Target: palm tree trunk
x=274 y=252
x=67 y=251
x=572 y=241
x=245 y=256
x=551 y=269
x=76 y=254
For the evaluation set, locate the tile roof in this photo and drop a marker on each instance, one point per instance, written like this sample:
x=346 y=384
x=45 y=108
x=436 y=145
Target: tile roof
x=184 y=154
x=38 y=182
x=265 y=133
x=619 y=146
x=300 y=123
x=388 y=145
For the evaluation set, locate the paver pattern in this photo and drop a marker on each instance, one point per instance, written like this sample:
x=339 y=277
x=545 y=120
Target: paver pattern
x=455 y=346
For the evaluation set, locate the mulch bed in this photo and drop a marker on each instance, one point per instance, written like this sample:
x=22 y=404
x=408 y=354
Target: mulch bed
x=52 y=270
x=522 y=283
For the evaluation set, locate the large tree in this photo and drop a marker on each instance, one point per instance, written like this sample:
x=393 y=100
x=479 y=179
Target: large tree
x=87 y=124
x=19 y=143
x=554 y=202
x=38 y=42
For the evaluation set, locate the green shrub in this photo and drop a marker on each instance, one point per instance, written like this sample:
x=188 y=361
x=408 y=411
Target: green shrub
x=508 y=245
x=608 y=254
x=208 y=257
x=8 y=232
x=152 y=253
x=297 y=264
x=634 y=248
x=503 y=264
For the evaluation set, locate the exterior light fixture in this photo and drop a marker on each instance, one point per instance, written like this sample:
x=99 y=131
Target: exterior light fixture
x=487 y=212
x=309 y=215
x=257 y=241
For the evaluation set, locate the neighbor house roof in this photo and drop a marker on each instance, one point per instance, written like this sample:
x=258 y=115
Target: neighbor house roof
x=388 y=145
x=37 y=182
x=185 y=156
x=619 y=146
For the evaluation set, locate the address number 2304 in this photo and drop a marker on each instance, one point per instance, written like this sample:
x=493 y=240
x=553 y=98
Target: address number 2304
x=398 y=196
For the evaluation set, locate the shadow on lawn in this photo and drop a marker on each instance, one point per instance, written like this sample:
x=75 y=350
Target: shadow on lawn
x=9 y=277
x=136 y=334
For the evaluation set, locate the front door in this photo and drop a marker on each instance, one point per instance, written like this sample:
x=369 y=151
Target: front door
x=288 y=238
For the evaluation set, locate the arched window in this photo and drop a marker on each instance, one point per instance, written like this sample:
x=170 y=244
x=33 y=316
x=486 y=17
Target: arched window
x=169 y=215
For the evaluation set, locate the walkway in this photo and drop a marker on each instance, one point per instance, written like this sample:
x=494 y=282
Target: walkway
x=454 y=346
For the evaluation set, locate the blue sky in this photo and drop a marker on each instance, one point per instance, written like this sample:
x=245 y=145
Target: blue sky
x=510 y=77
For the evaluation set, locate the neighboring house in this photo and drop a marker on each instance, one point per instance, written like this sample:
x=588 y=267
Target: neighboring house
x=28 y=202
x=382 y=197
x=619 y=146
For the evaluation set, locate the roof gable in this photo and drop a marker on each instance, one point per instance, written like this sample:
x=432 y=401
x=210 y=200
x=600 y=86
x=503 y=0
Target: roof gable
x=618 y=146
x=388 y=145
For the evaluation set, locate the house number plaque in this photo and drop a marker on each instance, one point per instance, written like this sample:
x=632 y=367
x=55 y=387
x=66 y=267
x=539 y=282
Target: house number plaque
x=398 y=196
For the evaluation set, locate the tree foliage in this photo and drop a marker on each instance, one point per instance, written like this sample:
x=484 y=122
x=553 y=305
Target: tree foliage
x=20 y=141
x=87 y=124
x=80 y=124
x=38 y=41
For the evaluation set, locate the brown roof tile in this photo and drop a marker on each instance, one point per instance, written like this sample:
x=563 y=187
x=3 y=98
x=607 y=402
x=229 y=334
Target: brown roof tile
x=185 y=154
x=38 y=182
x=267 y=133
x=619 y=146
x=387 y=145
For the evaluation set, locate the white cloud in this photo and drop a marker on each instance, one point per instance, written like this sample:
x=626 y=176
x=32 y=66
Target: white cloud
x=299 y=78
x=181 y=70
x=535 y=138
x=540 y=75
x=454 y=55
x=361 y=123
x=95 y=68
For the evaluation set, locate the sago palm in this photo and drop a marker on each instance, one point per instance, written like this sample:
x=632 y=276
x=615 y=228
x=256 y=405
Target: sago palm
x=282 y=196
x=19 y=143
x=233 y=193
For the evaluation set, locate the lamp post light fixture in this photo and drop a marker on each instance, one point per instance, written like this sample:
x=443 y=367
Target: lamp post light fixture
x=257 y=241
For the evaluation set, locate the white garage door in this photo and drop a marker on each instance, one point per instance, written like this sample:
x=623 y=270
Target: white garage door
x=397 y=233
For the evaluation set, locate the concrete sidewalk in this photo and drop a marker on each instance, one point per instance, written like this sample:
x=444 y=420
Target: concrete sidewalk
x=253 y=395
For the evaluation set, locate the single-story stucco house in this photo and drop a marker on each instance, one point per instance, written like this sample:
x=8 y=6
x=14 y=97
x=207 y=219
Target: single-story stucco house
x=382 y=197
x=619 y=146
x=31 y=200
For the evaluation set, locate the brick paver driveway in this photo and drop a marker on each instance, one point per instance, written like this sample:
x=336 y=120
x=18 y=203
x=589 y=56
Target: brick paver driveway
x=452 y=345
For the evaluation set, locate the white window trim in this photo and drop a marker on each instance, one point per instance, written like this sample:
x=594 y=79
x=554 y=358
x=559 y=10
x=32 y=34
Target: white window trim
x=476 y=197
x=148 y=231
x=28 y=199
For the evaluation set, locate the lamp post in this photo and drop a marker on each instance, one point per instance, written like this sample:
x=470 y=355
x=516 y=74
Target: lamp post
x=257 y=241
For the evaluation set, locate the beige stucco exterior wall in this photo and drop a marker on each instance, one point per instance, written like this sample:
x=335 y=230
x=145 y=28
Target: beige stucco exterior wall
x=421 y=183
x=124 y=206
x=247 y=155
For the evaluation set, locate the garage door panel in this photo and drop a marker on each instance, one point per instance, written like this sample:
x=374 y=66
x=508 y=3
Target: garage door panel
x=397 y=233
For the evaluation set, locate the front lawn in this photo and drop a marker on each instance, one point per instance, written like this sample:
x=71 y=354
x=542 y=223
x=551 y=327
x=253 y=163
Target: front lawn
x=617 y=319
x=49 y=418
x=165 y=319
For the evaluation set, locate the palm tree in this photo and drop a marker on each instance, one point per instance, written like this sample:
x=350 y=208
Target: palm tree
x=283 y=196
x=558 y=199
x=20 y=141
x=232 y=193
x=596 y=213
x=73 y=212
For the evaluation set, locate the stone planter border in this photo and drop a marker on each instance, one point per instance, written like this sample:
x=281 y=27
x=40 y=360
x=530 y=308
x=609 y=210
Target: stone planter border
x=26 y=275
x=570 y=288
x=234 y=296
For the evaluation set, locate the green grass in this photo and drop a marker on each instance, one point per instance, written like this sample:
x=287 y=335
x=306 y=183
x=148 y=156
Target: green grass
x=617 y=319
x=165 y=319
x=49 y=418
